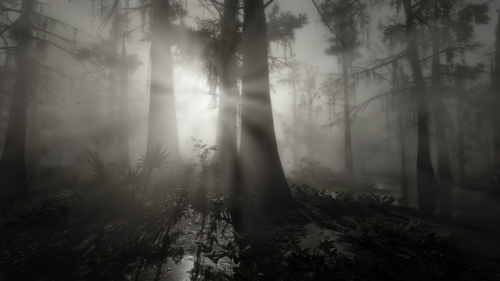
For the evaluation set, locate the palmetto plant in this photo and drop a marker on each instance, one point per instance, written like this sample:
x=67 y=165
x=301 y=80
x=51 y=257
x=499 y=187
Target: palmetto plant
x=102 y=177
x=132 y=177
x=155 y=158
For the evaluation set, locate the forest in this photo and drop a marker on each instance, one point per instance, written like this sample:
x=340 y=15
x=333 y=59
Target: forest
x=249 y=140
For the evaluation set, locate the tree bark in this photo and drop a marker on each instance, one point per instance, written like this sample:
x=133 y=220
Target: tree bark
x=400 y=100
x=12 y=164
x=348 y=163
x=427 y=185
x=443 y=158
x=227 y=151
x=261 y=172
x=162 y=126
x=296 y=126
x=110 y=132
x=460 y=135
x=496 y=98
x=122 y=141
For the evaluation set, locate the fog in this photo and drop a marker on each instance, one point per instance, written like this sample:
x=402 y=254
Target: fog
x=102 y=78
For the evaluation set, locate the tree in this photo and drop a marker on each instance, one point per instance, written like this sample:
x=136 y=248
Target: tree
x=229 y=95
x=343 y=18
x=162 y=127
x=427 y=185
x=493 y=112
x=260 y=171
x=293 y=80
x=443 y=158
x=12 y=164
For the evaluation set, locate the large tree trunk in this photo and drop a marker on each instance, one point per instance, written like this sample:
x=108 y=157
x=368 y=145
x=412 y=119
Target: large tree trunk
x=348 y=163
x=400 y=101
x=122 y=142
x=227 y=152
x=12 y=164
x=427 y=185
x=110 y=132
x=443 y=157
x=261 y=172
x=496 y=97
x=162 y=126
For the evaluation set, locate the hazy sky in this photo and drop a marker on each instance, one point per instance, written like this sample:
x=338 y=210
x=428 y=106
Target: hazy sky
x=190 y=83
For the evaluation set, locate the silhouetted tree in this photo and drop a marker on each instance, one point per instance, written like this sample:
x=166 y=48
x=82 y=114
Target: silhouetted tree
x=261 y=174
x=226 y=137
x=427 y=185
x=12 y=164
x=345 y=18
x=162 y=126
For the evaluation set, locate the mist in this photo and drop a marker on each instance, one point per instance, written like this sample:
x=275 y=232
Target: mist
x=190 y=133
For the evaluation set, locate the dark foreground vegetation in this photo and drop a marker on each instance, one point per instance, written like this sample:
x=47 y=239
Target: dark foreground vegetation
x=112 y=230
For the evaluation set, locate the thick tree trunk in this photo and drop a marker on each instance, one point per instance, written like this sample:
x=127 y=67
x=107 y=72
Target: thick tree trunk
x=496 y=97
x=348 y=163
x=12 y=164
x=427 y=185
x=227 y=152
x=122 y=142
x=162 y=126
x=110 y=132
x=260 y=166
x=443 y=157
x=400 y=100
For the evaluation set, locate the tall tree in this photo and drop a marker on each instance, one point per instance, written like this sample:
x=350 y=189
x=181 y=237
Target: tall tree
x=293 y=80
x=495 y=116
x=112 y=60
x=260 y=171
x=12 y=164
x=229 y=94
x=344 y=18
x=162 y=127
x=122 y=135
x=427 y=185
x=443 y=157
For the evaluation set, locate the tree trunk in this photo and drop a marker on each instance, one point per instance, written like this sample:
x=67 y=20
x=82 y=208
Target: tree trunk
x=496 y=97
x=400 y=100
x=443 y=157
x=427 y=185
x=295 y=127
x=110 y=132
x=122 y=141
x=460 y=135
x=227 y=152
x=260 y=166
x=348 y=163
x=12 y=164
x=403 y=173
x=162 y=126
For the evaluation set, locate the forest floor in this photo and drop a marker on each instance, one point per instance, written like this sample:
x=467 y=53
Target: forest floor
x=89 y=237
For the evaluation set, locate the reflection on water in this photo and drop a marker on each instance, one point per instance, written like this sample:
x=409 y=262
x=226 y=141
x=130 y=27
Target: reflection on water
x=475 y=206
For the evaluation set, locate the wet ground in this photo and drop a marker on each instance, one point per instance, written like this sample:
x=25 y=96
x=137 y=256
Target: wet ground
x=473 y=206
x=473 y=212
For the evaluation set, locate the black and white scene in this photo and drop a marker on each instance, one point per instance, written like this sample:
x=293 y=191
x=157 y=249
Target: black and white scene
x=259 y=140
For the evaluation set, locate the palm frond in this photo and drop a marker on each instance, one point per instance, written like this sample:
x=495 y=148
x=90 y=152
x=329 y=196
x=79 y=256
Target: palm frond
x=155 y=158
x=102 y=177
x=132 y=176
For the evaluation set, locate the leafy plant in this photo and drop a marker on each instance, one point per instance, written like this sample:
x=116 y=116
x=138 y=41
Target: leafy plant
x=155 y=158
x=102 y=177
